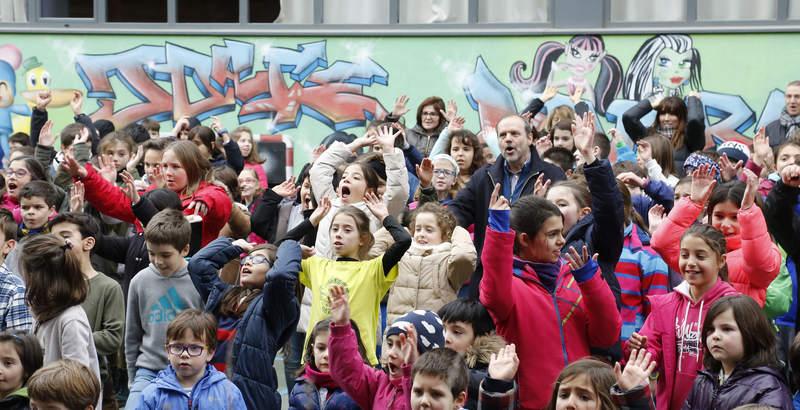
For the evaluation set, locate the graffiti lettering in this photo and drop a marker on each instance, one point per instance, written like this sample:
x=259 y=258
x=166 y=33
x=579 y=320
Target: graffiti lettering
x=158 y=77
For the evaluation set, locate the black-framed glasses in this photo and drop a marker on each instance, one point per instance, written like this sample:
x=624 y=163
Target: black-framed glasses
x=256 y=260
x=177 y=349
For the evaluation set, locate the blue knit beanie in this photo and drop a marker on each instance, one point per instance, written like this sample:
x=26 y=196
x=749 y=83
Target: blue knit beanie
x=696 y=159
x=430 y=330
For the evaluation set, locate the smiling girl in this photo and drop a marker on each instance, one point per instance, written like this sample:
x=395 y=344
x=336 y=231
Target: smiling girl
x=20 y=171
x=753 y=261
x=740 y=359
x=185 y=171
x=252 y=159
x=671 y=333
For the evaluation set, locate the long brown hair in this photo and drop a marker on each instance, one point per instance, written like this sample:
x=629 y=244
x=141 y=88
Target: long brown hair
x=53 y=278
x=662 y=152
x=466 y=137
x=599 y=374
x=675 y=106
x=362 y=224
x=238 y=298
x=196 y=166
x=254 y=157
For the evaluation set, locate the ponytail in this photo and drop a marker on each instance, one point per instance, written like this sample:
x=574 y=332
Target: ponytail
x=53 y=278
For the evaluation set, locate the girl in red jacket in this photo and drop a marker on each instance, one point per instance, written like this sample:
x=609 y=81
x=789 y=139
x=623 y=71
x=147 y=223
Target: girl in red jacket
x=525 y=277
x=753 y=261
x=184 y=170
x=671 y=333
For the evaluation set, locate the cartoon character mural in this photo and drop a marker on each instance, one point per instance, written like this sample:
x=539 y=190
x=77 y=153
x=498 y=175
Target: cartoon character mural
x=664 y=64
x=582 y=55
x=38 y=79
x=10 y=59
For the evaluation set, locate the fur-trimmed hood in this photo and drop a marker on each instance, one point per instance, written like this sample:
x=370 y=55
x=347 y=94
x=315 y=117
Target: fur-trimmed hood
x=482 y=349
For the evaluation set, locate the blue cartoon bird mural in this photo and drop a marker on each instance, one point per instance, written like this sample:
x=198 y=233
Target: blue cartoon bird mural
x=10 y=58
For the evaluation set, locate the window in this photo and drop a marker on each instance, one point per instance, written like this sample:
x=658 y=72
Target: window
x=13 y=11
x=630 y=11
x=736 y=10
x=266 y=11
x=296 y=12
x=356 y=12
x=433 y=11
x=208 y=11
x=140 y=11
x=794 y=9
x=67 y=8
x=513 y=11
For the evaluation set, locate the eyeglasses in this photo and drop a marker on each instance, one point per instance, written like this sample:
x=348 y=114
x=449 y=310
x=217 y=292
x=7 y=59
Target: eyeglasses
x=256 y=260
x=177 y=349
x=444 y=173
x=19 y=173
x=430 y=114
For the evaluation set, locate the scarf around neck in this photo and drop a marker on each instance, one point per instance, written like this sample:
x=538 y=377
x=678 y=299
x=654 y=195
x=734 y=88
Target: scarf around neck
x=790 y=122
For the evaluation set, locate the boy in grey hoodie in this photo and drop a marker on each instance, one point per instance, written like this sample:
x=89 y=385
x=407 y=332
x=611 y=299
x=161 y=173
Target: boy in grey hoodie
x=156 y=295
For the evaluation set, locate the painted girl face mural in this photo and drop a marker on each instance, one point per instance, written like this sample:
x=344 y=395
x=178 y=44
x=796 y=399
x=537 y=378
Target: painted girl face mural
x=582 y=58
x=665 y=63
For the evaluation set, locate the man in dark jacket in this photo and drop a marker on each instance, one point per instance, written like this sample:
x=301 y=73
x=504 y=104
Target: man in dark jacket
x=781 y=129
x=516 y=170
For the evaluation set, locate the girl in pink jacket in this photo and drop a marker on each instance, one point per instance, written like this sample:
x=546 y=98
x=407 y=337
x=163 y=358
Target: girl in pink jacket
x=753 y=260
x=672 y=331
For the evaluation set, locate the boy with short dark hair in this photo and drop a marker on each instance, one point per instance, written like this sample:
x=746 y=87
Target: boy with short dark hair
x=64 y=384
x=189 y=378
x=440 y=379
x=19 y=139
x=560 y=157
x=37 y=200
x=156 y=295
x=104 y=304
x=469 y=330
x=14 y=313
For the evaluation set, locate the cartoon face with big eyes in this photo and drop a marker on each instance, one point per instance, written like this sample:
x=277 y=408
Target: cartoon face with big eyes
x=672 y=69
x=581 y=61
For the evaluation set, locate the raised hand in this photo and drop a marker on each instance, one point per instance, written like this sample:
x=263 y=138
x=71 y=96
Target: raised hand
x=307 y=251
x=497 y=201
x=46 y=137
x=286 y=189
x=77 y=197
x=452 y=111
x=656 y=215
x=729 y=169
x=637 y=341
x=43 y=99
x=316 y=152
x=247 y=247
x=76 y=103
x=543 y=144
x=576 y=260
x=457 y=124
x=182 y=124
x=386 y=138
x=83 y=137
x=198 y=207
x=107 y=169
x=503 y=365
x=376 y=206
x=637 y=370
x=629 y=178
x=136 y=159
x=400 y=106
x=216 y=124
x=319 y=213
x=548 y=94
x=340 y=309
x=583 y=135
x=762 y=153
x=130 y=187
x=750 y=191
x=790 y=175
x=703 y=183
x=366 y=140
x=425 y=172
x=72 y=167
x=408 y=345
x=576 y=96
x=541 y=186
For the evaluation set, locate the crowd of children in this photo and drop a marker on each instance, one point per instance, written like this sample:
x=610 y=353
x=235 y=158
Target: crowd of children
x=535 y=264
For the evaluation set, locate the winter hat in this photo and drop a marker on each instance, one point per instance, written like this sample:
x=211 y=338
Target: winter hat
x=104 y=127
x=693 y=161
x=736 y=151
x=430 y=330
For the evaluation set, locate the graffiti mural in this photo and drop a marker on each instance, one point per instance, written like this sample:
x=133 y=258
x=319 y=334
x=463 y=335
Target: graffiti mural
x=228 y=81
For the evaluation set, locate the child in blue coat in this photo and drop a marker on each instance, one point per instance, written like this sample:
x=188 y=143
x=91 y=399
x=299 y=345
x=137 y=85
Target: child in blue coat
x=189 y=382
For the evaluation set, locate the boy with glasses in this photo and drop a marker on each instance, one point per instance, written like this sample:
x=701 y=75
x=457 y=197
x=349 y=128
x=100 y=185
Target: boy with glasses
x=189 y=379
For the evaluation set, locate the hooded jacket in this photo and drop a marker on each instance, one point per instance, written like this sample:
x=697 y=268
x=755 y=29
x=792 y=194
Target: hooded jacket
x=759 y=385
x=213 y=391
x=307 y=396
x=420 y=139
x=429 y=276
x=673 y=338
x=752 y=259
x=266 y=325
x=109 y=199
x=549 y=329
x=477 y=358
x=17 y=400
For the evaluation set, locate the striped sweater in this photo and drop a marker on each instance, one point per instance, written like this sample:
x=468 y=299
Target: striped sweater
x=641 y=272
